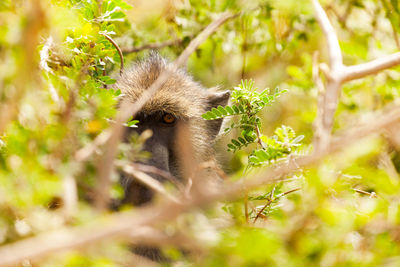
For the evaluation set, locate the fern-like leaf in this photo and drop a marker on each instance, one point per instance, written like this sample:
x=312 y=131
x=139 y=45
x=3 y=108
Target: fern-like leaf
x=222 y=112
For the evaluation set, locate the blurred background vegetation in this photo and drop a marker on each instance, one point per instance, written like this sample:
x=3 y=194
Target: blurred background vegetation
x=57 y=71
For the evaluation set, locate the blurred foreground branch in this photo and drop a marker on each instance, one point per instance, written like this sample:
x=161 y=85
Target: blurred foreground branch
x=134 y=224
x=36 y=22
x=118 y=225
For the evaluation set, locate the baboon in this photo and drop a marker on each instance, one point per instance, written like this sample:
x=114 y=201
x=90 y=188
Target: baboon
x=179 y=101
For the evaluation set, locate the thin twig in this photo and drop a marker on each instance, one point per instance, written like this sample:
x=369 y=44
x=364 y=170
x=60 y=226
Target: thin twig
x=246 y=206
x=154 y=45
x=271 y=200
x=84 y=153
x=259 y=141
x=154 y=170
x=211 y=28
x=149 y=181
x=370 y=194
x=121 y=69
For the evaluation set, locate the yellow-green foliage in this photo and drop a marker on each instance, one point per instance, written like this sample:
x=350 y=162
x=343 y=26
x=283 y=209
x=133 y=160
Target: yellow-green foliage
x=57 y=71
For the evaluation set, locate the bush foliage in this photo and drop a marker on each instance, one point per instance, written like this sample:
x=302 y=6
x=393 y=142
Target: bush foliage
x=59 y=61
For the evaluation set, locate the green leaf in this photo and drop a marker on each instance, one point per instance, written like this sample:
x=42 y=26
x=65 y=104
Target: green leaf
x=242 y=140
x=229 y=110
x=209 y=116
x=222 y=110
x=261 y=154
x=132 y=123
x=216 y=112
x=235 y=142
x=231 y=147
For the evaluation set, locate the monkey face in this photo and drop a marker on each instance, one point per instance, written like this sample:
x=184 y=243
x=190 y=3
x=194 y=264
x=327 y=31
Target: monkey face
x=162 y=143
x=174 y=109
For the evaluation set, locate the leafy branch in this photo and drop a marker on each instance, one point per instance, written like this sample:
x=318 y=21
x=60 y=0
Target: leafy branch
x=247 y=102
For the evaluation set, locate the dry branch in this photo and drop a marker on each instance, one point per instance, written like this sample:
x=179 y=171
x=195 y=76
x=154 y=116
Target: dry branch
x=329 y=101
x=372 y=67
x=118 y=225
x=335 y=54
x=154 y=170
x=149 y=182
x=154 y=46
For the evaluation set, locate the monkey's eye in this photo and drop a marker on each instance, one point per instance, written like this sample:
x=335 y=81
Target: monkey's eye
x=168 y=118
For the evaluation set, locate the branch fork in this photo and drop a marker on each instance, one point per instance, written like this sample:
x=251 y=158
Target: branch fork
x=337 y=73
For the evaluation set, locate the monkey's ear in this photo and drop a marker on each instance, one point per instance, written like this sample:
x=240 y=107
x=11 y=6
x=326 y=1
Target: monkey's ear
x=216 y=99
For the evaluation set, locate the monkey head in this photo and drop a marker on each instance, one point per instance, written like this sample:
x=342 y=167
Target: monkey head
x=180 y=101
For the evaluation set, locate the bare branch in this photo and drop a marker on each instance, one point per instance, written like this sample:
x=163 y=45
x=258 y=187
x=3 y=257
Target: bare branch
x=372 y=67
x=70 y=196
x=260 y=142
x=211 y=28
x=84 y=153
x=335 y=54
x=154 y=46
x=154 y=170
x=336 y=75
x=150 y=182
x=328 y=102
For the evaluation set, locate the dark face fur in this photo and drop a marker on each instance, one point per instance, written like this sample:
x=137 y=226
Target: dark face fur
x=179 y=101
